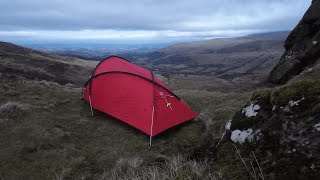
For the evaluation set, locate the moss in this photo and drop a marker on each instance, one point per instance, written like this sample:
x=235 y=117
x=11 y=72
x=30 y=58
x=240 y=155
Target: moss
x=308 y=89
x=263 y=95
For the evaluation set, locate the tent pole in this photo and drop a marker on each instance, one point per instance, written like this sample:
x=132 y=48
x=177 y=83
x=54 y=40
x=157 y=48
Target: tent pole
x=151 y=128
x=150 y=141
x=90 y=105
x=90 y=94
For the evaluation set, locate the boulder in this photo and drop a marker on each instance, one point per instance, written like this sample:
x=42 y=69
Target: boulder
x=302 y=47
x=283 y=125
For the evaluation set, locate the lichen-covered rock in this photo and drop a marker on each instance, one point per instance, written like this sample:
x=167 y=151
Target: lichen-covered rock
x=285 y=129
x=302 y=46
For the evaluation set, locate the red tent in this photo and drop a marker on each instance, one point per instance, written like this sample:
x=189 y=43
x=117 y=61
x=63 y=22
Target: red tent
x=134 y=95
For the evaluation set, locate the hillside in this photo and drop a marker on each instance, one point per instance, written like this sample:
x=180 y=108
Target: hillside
x=53 y=136
x=47 y=131
x=224 y=65
x=31 y=64
x=237 y=64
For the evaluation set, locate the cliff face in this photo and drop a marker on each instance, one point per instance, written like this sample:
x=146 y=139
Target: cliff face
x=302 y=46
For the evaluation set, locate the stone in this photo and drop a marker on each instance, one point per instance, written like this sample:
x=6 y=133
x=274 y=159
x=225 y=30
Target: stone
x=302 y=47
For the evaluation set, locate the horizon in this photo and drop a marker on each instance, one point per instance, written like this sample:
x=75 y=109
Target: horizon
x=119 y=44
x=143 y=22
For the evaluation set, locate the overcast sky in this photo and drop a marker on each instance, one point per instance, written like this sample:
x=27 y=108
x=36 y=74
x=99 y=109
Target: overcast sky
x=144 y=20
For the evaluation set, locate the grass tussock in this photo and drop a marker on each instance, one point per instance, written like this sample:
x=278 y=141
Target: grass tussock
x=174 y=167
x=10 y=109
x=206 y=118
x=309 y=88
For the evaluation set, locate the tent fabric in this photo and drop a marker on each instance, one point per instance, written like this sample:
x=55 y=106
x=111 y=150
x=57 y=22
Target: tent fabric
x=135 y=96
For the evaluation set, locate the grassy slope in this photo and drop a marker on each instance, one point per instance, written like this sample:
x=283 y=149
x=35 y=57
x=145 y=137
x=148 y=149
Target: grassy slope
x=28 y=63
x=56 y=136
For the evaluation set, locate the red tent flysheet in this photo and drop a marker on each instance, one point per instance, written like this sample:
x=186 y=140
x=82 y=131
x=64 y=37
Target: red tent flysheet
x=135 y=96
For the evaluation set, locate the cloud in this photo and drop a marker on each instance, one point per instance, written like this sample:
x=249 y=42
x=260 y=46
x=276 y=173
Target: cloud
x=144 y=19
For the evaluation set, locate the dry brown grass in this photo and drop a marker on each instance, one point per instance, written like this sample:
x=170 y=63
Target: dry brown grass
x=206 y=118
x=174 y=167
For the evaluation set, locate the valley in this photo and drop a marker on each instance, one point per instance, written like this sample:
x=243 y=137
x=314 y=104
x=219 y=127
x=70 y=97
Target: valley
x=224 y=65
x=53 y=135
x=233 y=65
x=42 y=114
x=233 y=91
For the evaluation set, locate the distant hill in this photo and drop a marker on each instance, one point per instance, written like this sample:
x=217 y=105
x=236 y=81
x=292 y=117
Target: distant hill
x=219 y=50
x=225 y=64
x=31 y=64
x=96 y=51
x=243 y=61
x=278 y=35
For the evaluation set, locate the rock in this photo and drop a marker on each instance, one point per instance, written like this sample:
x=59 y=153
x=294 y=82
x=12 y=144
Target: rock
x=287 y=140
x=251 y=110
x=302 y=46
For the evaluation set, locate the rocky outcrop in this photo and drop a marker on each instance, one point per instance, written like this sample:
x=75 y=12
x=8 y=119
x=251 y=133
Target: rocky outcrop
x=283 y=125
x=302 y=46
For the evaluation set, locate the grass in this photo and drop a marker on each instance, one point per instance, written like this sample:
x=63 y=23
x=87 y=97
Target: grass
x=11 y=109
x=174 y=167
x=309 y=89
x=56 y=137
x=217 y=108
x=49 y=133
